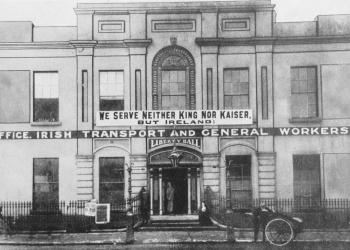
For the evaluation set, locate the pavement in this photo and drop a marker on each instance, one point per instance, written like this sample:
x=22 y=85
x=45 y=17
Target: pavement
x=158 y=237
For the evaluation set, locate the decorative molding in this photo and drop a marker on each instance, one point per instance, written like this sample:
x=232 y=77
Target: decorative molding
x=111 y=26
x=36 y=45
x=83 y=43
x=226 y=22
x=184 y=60
x=180 y=25
x=208 y=41
x=136 y=43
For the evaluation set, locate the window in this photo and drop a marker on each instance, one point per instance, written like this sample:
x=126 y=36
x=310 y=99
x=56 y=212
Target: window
x=14 y=96
x=304 y=92
x=239 y=184
x=45 y=182
x=307 y=187
x=84 y=96
x=111 y=179
x=236 y=89
x=45 y=97
x=111 y=90
x=173 y=89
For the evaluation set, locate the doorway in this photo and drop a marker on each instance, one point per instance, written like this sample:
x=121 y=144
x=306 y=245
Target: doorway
x=178 y=179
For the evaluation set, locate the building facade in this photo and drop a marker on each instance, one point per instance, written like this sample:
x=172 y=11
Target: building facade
x=293 y=77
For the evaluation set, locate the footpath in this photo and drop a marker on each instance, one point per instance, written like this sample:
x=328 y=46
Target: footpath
x=157 y=237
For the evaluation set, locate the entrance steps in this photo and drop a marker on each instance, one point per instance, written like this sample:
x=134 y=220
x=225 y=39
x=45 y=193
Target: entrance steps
x=176 y=223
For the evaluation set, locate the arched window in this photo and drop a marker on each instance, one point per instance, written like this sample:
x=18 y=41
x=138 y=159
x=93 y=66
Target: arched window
x=173 y=79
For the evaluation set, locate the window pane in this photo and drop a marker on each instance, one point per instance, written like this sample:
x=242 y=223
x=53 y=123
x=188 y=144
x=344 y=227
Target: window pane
x=235 y=76
x=45 y=110
x=112 y=84
x=244 y=75
x=227 y=75
x=111 y=105
x=46 y=85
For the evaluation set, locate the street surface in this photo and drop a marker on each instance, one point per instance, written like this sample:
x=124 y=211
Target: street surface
x=201 y=246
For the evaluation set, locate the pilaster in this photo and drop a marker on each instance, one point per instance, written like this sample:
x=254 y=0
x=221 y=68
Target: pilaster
x=267 y=175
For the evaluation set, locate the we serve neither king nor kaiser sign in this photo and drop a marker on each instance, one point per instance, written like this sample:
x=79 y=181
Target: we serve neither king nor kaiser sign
x=174 y=117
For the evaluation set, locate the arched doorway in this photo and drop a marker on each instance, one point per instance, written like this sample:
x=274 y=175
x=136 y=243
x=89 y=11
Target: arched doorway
x=184 y=177
x=173 y=79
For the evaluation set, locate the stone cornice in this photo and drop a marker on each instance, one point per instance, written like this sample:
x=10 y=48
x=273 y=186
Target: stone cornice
x=271 y=40
x=83 y=43
x=174 y=7
x=36 y=45
x=137 y=43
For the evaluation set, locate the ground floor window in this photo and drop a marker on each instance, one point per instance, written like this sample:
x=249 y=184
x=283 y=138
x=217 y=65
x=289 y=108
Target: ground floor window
x=45 y=182
x=307 y=186
x=238 y=179
x=111 y=179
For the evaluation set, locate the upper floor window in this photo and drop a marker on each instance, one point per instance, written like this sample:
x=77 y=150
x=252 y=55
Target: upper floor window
x=173 y=79
x=173 y=89
x=14 y=96
x=304 y=92
x=46 y=108
x=236 y=88
x=111 y=90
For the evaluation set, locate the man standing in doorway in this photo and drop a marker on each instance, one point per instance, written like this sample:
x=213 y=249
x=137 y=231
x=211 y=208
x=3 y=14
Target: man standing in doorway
x=170 y=198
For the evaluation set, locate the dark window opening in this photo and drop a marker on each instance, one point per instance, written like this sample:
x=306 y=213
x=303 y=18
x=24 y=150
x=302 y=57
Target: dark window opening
x=238 y=179
x=45 y=183
x=111 y=188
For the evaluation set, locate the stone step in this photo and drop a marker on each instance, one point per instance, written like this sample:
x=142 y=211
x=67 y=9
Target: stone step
x=175 y=222
x=179 y=228
x=174 y=217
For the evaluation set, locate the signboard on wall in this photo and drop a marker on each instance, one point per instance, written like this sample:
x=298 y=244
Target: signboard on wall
x=175 y=117
x=175 y=133
x=194 y=142
x=90 y=208
x=103 y=212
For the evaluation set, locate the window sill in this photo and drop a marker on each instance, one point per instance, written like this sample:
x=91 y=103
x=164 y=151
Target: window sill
x=44 y=124
x=305 y=120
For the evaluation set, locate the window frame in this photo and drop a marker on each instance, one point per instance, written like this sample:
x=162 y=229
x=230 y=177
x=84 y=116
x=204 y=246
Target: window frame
x=49 y=123
x=113 y=182
x=110 y=97
x=229 y=189
x=186 y=90
x=304 y=203
x=55 y=203
x=224 y=91
x=309 y=119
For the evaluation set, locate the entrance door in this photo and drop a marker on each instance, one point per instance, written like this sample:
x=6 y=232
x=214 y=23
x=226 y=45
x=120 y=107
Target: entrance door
x=178 y=179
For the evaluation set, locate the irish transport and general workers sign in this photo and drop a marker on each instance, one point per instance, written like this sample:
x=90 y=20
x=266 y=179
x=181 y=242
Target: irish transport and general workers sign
x=175 y=133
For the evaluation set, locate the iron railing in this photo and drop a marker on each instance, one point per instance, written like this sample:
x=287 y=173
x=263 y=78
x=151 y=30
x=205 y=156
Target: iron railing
x=64 y=215
x=320 y=214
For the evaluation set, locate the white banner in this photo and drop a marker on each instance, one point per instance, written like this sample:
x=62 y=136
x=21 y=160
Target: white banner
x=175 y=117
